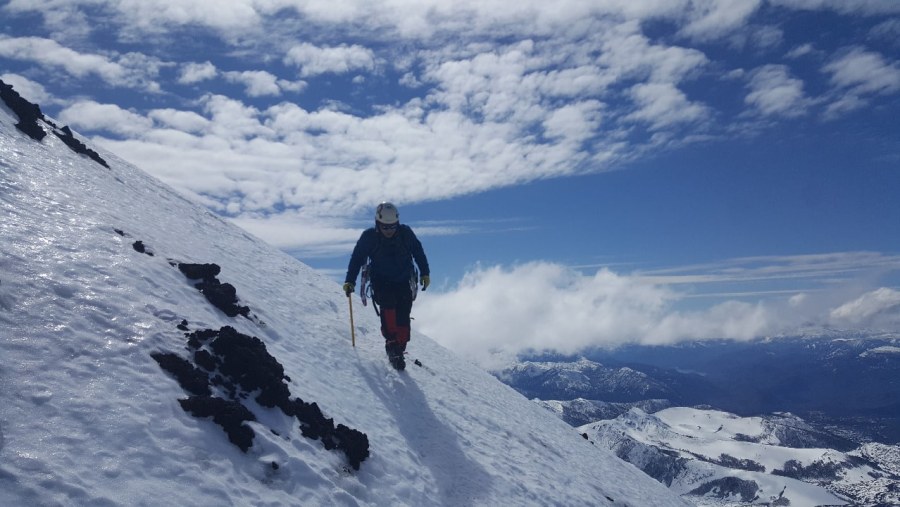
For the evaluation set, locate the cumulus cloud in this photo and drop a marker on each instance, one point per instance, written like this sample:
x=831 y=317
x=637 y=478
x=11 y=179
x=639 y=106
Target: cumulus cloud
x=858 y=74
x=184 y=121
x=714 y=18
x=663 y=105
x=50 y=53
x=882 y=304
x=28 y=89
x=801 y=51
x=628 y=53
x=314 y=60
x=861 y=72
x=773 y=91
x=196 y=72
x=258 y=83
x=131 y=70
x=91 y=115
x=539 y=306
x=497 y=312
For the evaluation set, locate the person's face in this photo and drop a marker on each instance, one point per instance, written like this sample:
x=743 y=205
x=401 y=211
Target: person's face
x=388 y=229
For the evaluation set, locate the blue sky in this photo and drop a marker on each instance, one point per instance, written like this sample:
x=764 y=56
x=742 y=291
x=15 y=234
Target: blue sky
x=581 y=173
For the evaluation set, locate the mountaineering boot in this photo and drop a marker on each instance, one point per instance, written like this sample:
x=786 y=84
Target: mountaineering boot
x=395 y=355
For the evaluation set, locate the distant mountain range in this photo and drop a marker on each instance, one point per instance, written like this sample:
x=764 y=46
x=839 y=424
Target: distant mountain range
x=803 y=420
x=851 y=383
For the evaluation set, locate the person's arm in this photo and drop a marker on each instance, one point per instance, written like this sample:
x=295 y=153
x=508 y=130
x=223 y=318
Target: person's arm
x=358 y=257
x=418 y=253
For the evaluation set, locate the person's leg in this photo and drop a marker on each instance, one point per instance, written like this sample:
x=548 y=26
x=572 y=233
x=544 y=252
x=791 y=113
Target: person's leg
x=404 y=308
x=387 y=298
x=387 y=302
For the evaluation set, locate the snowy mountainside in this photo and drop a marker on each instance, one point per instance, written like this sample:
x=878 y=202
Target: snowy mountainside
x=91 y=288
x=731 y=460
x=580 y=411
x=841 y=382
x=841 y=376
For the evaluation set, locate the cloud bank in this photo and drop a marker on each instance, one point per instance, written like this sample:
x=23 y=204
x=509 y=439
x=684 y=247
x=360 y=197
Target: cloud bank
x=496 y=313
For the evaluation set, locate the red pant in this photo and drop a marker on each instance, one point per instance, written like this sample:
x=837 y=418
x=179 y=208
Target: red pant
x=396 y=304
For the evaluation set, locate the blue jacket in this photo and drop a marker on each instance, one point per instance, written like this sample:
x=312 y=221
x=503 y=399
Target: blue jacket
x=392 y=258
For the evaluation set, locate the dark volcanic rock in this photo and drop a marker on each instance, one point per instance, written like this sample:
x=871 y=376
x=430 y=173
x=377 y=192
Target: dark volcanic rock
x=247 y=362
x=228 y=414
x=729 y=486
x=221 y=295
x=241 y=366
x=65 y=134
x=200 y=271
x=188 y=376
x=28 y=113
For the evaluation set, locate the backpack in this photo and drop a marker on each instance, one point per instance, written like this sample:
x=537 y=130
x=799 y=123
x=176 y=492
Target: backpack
x=365 y=286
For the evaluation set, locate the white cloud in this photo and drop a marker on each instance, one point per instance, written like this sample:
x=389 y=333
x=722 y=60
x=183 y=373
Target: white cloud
x=574 y=122
x=539 y=306
x=862 y=72
x=132 y=70
x=258 y=83
x=63 y=18
x=864 y=7
x=856 y=75
x=801 y=51
x=90 y=115
x=710 y=19
x=151 y=16
x=185 y=121
x=774 y=92
x=28 y=89
x=298 y=231
x=662 y=105
x=314 y=60
x=495 y=313
x=888 y=31
x=196 y=72
x=261 y=83
x=50 y=53
x=875 y=306
x=840 y=267
x=767 y=37
x=629 y=54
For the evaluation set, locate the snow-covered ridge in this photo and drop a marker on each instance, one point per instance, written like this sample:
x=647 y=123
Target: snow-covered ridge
x=569 y=380
x=88 y=417
x=748 y=460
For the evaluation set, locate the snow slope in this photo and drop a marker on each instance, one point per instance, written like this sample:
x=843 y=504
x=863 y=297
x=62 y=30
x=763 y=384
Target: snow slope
x=87 y=417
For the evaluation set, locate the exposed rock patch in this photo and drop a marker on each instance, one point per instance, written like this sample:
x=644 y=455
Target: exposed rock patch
x=29 y=114
x=65 y=134
x=222 y=295
x=728 y=487
x=239 y=366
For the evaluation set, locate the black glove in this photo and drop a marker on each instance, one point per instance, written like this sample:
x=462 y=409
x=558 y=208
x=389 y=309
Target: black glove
x=348 y=288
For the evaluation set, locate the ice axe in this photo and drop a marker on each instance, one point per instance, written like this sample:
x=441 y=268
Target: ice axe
x=352 y=328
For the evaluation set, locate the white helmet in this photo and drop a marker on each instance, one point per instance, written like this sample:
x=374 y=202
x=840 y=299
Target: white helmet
x=386 y=213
